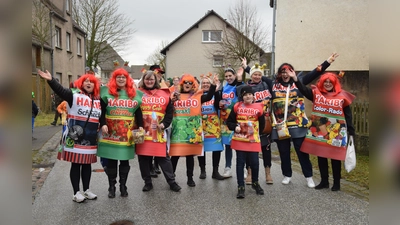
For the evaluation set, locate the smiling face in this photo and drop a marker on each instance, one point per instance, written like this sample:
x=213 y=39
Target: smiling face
x=230 y=77
x=88 y=85
x=328 y=85
x=256 y=77
x=187 y=86
x=149 y=81
x=205 y=84
x=121 y=81
x=248 y=98
x=176 y=81
x=285 y=76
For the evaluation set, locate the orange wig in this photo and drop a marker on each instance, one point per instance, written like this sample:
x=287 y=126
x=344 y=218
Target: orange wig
x=337 y=87
x=79 y=83
x=113 y=87
x=190 y=78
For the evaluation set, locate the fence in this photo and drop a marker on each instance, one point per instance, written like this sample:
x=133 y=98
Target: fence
x=360 y=111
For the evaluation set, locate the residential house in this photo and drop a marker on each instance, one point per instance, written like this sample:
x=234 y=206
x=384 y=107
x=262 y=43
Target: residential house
x=307 y=32
x=195 y=50
x=109 y=60
x=64 y=50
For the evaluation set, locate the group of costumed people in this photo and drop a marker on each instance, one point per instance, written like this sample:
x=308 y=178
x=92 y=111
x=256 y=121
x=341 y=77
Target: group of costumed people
x=161 y=123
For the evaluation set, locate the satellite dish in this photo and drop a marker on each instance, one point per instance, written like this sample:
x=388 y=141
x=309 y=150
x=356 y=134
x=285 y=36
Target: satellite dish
x=87 y=68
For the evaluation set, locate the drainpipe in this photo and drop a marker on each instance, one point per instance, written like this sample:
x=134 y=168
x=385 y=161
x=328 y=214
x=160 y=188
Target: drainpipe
x=84 y=53
x=51 y=42
x=273 y=41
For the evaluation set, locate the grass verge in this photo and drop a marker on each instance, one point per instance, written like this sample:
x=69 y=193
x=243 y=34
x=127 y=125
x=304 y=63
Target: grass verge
x=43 y=119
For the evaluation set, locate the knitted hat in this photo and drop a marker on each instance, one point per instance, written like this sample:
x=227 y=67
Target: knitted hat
x=246 y=89
x=258 y=68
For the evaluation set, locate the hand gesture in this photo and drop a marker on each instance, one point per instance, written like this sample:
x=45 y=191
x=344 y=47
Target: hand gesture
x=161 y=126
x=332 y=58
x=104 y=129
x=216 y=80
x=46 y=75
x=244 y=62
x=292 y=74
x=237 y=129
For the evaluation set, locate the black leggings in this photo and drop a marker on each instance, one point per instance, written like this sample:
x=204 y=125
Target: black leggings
x=112 y=163
x=77 y=171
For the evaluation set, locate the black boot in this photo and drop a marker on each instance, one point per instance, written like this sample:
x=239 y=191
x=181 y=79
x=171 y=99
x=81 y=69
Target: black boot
x=156 y=167
x=323 y=169
x=240 y=193
x=191 y=182
x=112 y=180
x=336 y=170
x=216 y=175
x=203 y=174
x=123 y=176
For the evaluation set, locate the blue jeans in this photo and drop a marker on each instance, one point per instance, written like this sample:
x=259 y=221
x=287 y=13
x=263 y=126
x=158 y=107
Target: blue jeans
x=254 y=165
x=228 y=156
x=33 y=123
x=286 y=163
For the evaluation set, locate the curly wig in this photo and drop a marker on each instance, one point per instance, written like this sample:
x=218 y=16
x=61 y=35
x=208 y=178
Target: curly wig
x=79 y=84
x=129 y=86
x=190 y=78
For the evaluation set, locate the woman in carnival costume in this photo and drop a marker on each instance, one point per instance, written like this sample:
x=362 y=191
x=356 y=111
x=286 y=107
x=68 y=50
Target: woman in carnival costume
x=157 y=109
x=187 y=130
x=211 y=128
x=81 y=153
x=121 y=113
x=331 y=121
x=229 y=97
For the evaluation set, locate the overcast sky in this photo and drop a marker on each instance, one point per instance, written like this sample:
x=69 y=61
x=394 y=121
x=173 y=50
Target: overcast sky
x=164 y=20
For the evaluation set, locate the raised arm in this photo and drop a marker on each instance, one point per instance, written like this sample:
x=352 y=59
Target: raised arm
x=309 y=77
x=306 y=91
x=64 y=93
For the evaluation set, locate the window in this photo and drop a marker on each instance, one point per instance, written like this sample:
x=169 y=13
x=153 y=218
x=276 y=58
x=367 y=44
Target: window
x=78 y=46
x=38 y=57
x=212 y=36
x=67 y=5
x=218 y=60
x=57 y=37
x=68 y=40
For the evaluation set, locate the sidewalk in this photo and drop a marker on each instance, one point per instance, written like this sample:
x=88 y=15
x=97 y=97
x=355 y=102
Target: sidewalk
x=210 y=202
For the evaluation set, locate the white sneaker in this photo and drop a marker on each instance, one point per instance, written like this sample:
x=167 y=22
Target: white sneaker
x=286 y=180
x=227 y=172
x=310 y=182
x=78 y=197
x=89 y=195
x=245 y=173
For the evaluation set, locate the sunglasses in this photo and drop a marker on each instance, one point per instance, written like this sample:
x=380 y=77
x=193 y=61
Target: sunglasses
x=188 y=82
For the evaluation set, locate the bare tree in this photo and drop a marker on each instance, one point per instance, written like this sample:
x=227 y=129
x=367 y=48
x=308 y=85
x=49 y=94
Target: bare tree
x=156 y=57
x=105 y=27
x=248 y=38
x=41 y=26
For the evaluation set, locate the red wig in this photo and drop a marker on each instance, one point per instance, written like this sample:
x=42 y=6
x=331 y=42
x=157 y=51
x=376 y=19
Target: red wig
x=79 y=83
x=113 y=87
x=190 y=78
x=337 y=87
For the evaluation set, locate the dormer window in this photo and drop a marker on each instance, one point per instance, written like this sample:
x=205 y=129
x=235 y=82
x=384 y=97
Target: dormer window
x=212 y=36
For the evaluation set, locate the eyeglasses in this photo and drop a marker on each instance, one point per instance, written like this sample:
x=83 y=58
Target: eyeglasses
x=188 y=82
x=120 y=77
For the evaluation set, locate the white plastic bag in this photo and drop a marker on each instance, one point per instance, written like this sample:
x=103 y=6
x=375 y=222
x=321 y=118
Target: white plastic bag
x=350 y=161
